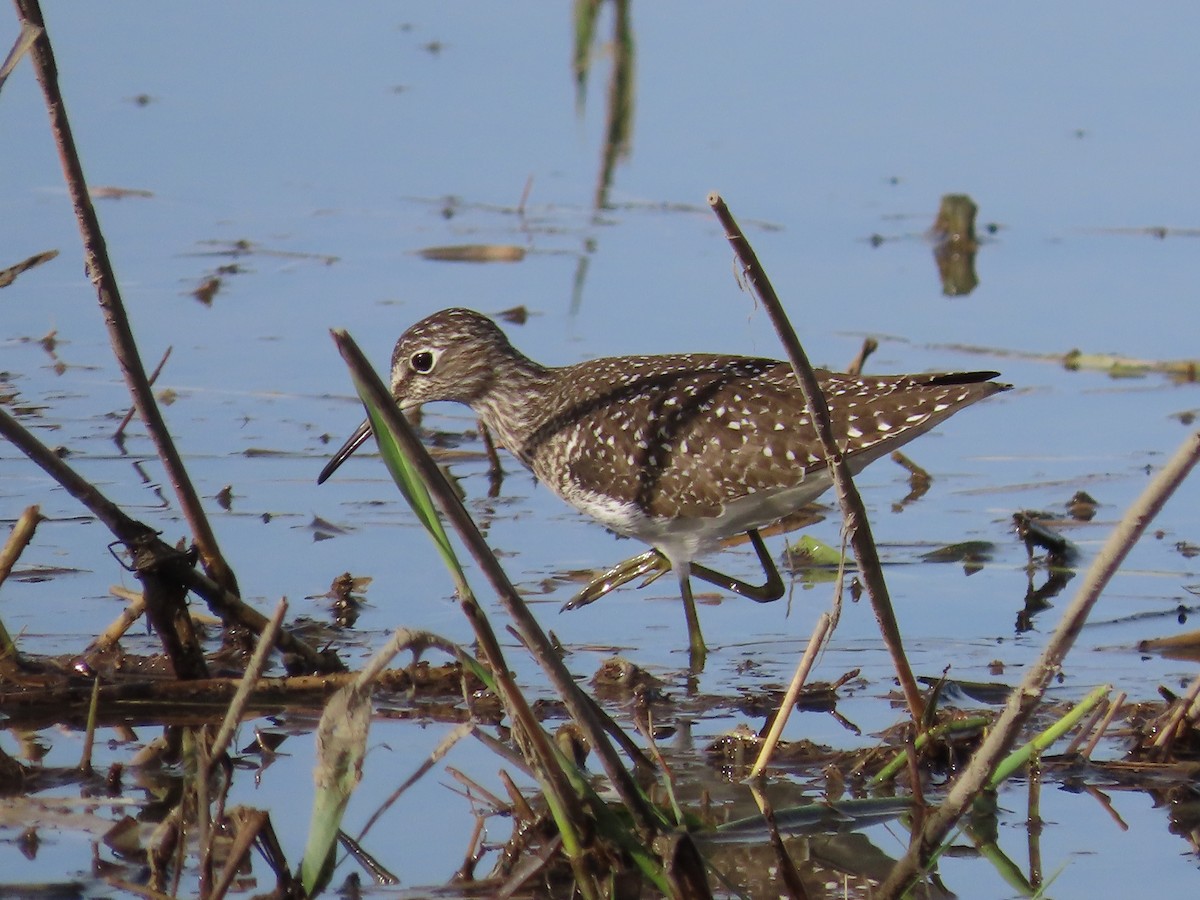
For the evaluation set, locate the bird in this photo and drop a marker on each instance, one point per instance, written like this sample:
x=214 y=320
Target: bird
x=678 y=451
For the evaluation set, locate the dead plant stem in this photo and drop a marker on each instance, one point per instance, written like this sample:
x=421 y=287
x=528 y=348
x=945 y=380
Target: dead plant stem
x=853 y=512
x=1179 y=712
x=1110 y=713
x=820 y=634
x=19 y=48
x=151 y=552
x=253 y=671
x=119 y=434
x=18 y=540
x=100 y=271
x=135 y=606
x=1025 y=697
x=89 y=735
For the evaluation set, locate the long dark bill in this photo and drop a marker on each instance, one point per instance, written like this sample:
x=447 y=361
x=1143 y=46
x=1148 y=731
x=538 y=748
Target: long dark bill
x=361 y=433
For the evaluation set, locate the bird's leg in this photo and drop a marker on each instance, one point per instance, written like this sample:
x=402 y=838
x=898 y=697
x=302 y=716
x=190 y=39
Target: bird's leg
x=650 y=564
x=771 y=590
x=653 y=564
x=495 y=471
x=696 y=648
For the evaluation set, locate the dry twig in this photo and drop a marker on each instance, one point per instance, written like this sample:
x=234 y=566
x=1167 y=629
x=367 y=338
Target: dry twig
x=853 y=512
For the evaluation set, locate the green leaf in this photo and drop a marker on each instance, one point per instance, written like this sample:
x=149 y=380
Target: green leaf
x=411 y=485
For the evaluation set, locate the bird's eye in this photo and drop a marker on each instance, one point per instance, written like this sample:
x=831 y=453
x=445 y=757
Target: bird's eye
x=422 y=362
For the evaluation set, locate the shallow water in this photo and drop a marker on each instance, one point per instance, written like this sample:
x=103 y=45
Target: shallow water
x=364 y=138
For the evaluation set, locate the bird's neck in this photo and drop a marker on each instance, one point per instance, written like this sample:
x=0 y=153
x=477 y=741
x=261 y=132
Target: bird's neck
x=515 y=402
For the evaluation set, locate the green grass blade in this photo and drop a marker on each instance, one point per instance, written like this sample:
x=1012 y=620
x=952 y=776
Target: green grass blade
x=1039 y=744
x=341 y=746
x=410 y=483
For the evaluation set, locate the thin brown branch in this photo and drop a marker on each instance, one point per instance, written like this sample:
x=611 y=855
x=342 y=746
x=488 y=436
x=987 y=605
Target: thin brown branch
x=854 y=514
x=125 y=529
x=20 y=47
x=119 y=434
x=156 y=563
x=157 y=566
x=151 y=552
x=100 y=271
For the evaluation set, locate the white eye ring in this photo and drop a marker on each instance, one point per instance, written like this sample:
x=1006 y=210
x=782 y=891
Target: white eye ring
x=423 y=361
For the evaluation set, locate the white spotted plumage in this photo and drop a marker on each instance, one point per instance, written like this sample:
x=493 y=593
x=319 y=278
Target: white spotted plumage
x=677 y=450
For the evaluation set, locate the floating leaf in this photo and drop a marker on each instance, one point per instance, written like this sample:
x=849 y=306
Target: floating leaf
x=474 y=253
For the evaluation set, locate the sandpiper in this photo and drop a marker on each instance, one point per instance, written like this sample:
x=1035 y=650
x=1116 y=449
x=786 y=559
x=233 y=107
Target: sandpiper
x=677 y=450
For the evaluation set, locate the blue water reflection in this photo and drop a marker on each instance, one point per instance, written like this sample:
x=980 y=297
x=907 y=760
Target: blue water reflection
x=325 y=131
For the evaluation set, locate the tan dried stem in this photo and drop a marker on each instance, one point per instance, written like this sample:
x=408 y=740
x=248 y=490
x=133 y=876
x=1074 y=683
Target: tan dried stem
x=854 y=514
x=820 y=635
x=1026 y=696
x=254 y=669
x=18 y=540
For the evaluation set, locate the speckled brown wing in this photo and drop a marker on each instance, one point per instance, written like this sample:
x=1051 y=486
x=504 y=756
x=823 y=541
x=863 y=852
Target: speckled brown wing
x=683 y=436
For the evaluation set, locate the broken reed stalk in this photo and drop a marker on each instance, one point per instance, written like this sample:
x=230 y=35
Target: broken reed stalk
x=249 y=824
x=1180 y=712
x=854 y=514
x=1089 y=726
x=150 y=553
x=788 y=873
x=1098 y=730
x=820 y=634
x=19 y=48
x=18 y=540
x=89 y=734
x=531 y=633
x=248 y=682
x=135 y=606
x=1025 y=697
x=100 y=271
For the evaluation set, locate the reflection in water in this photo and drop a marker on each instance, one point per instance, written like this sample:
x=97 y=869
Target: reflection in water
x=919 y=481
x=1059 y=559
x=955 y=245
x=618 y=128
x=1038 y=599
